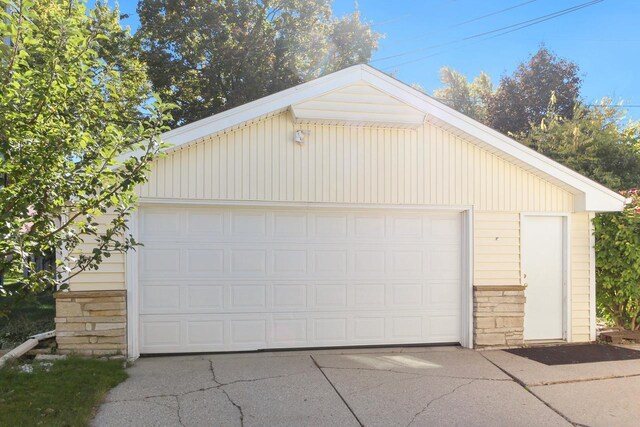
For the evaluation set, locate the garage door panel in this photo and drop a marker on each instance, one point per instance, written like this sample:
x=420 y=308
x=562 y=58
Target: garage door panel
x=223 y=279
x=207 y=296
x=329 y=261
x=369 y=226
x=407 y=227
x=248 y=297
x=290 y=331
x=289 y=296
x=201 y=332
x=444 y=264
x=370 y=262
x=444 y=294
x=160 y=222
x=160 y=333
x=290 y=225
x=250 y=261
x=290 y=261
x=329 y=226
x=407 y=327
x=205 y=332
x=329 y=296
x=157 y=262
x=330 y=331
x=248 y=332
x=204 y=261
x=369 y=329
x=161 y=299
x=405 y=295
x=295 y=260
x=369 y=295
x=407 y=262
x=444 y=327
x=248 y=224
x=204 y=225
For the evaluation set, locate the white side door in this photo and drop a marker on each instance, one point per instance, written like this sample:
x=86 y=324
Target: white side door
x=543 y=271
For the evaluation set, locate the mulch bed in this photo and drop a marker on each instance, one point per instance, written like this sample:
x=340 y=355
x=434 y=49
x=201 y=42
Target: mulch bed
x=572 y=354
x=620 y=337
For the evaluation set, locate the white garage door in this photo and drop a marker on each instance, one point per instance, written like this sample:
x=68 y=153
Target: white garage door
x=224 y=279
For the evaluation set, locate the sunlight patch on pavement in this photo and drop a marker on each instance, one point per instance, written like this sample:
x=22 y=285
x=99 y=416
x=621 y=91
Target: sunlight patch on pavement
x=393 y=361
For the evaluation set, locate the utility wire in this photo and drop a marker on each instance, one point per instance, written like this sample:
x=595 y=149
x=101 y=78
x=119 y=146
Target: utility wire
x=501 y=31
x=474 y=36
x=445 y=100
x=469 y=21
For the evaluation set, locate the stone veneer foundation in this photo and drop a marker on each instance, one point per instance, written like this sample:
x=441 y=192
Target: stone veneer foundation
x=91 y=323
x=498 y=316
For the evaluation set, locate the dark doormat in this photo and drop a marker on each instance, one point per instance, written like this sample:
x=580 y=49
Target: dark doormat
x=580 y=353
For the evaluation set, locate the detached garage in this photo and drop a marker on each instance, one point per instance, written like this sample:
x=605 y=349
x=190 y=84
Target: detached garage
x=350 y=210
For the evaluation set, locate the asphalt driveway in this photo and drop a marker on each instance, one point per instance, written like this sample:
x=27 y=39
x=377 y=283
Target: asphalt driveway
x=372 y=387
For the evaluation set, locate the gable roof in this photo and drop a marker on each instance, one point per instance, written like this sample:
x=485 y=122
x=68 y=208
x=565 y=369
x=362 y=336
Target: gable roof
x=417 y=107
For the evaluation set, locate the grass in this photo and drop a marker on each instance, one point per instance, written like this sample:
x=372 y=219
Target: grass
x=66 y=393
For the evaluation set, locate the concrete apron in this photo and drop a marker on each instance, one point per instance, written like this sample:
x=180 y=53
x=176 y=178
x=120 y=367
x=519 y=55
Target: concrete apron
x=593 y=394
x=372 y=387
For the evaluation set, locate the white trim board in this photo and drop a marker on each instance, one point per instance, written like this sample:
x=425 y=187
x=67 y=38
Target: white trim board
x=592 y=278
x=289 y=204
x=131 y=277
x=590 y=196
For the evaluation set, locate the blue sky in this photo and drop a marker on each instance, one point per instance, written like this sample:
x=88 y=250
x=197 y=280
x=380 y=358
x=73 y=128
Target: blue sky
x=602 y=38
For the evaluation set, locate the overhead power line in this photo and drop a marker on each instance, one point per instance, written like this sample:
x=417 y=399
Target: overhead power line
x=469 y=21
x=496 y=33
x=445 y=100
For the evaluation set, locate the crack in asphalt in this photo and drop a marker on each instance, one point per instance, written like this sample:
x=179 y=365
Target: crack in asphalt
x=525 y=387
x=213 y=372
x=218 y=386
x=435 y=399
x=198 y=390
x=178 y=411
x=583 y=380
x=337 y=392
x=238 y=407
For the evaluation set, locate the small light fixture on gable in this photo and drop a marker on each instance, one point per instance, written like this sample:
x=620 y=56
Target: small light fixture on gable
x=300 y=135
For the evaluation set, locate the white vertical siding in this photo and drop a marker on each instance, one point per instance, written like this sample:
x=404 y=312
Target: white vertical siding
x=346 y=164
x=497 y=248
x=580 y=275
x=111 y=273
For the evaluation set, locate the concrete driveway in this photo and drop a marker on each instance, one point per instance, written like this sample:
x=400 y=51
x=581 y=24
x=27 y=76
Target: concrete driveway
x=371 y=387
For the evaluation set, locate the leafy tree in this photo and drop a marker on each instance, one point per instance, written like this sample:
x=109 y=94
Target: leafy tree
x=618 y=264
x=594 y=143
x=470 y=98
x=521 y=100
x=207 y=56
x=71 y=105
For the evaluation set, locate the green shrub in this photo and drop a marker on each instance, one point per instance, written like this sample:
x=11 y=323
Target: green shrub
x=618 y=264
x=20 y=328
x=25 y=316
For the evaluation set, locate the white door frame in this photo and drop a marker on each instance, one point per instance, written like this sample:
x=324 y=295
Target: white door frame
x=566 y=264
x=131 y=264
